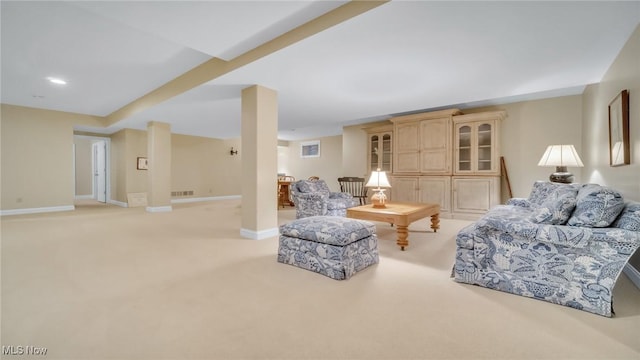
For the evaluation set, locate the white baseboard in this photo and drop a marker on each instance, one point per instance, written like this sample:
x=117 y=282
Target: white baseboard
x=259 y=235
x=119 y=203
x=37 y=210
x=212 y=198
x=155 y=209
x=633 y=274
x=114 y=202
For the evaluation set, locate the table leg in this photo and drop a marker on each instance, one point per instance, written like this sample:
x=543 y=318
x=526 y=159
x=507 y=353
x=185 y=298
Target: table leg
x=403 y=234
x=435 y=222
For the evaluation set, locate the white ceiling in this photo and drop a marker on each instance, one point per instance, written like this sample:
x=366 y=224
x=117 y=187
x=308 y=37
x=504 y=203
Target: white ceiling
x=403 y=56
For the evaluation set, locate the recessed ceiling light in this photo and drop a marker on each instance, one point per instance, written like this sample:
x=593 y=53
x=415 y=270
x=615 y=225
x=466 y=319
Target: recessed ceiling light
x=57 y=81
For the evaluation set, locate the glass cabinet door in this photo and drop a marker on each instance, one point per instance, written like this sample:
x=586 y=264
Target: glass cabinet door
x=380 y=151
x=464 y=148
x=484 y=147
x=374 y=151
x=476 y=148
x=385 y=164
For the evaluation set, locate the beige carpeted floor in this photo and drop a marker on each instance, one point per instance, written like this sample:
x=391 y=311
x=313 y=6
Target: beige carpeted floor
x=104 y=282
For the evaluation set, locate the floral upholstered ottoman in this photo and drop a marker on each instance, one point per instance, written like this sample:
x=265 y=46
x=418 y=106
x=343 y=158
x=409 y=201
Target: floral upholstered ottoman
x=334 y=246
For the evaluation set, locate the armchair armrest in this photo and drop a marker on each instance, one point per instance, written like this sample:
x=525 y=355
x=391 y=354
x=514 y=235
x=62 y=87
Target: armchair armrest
x=312 y=196
x=623 y=241
x=340 y=195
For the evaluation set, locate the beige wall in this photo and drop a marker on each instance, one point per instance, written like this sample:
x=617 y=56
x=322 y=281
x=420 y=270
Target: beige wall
x=529 y=128
x=283 y=157
x=126 y=146
x=624 y=73
x=328 y=166
x=118 y=172
x=37 y=157
x=198 y=164
x=83 y=166
x=136 y=141
x=159 y=166
x=259 y=130
x=205 y=166
x=355 y=145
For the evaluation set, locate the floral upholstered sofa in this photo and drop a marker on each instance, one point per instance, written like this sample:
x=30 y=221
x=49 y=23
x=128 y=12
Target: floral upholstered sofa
x=565 y=244
x=313 y=198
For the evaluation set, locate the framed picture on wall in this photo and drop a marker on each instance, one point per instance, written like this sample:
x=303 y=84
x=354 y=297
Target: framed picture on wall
x=619 y=153
x=310 y=149
x=143 y=164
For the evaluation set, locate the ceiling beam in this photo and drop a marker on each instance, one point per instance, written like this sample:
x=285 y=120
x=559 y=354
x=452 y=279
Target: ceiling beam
x=216 y=67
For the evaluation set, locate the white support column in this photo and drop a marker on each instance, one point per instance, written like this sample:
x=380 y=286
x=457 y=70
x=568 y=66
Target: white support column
x=159 y=173
x=259 y=163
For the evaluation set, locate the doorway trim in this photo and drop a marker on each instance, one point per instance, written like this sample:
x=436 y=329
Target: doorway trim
x=107 y=163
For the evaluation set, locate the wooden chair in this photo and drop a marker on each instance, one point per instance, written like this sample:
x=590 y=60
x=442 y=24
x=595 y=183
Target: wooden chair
x=355 y=187
x=287 y=178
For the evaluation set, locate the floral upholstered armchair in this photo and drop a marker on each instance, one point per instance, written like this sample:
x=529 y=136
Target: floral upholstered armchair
x=565 y=244
x=313 y=198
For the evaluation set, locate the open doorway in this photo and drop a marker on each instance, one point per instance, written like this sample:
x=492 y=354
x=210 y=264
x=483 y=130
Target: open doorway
x=91 y=169
x=99 y=152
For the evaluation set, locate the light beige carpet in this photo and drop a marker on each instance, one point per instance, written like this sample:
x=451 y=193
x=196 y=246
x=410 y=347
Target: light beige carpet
x=104 y=282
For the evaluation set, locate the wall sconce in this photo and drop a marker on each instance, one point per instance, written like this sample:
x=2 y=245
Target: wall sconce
x=233 y=152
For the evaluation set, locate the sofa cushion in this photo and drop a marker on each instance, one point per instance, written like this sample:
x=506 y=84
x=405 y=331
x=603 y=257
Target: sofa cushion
x=557 y=209
x=629 y=219
x=331 y=230
x=597 y=206
x=308 y=186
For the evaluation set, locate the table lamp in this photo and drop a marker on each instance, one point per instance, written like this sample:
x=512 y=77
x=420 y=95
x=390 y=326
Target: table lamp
x=378 y=179
x=561 y=156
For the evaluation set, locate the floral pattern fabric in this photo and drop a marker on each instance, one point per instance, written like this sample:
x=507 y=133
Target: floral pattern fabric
x=313 y=198
x=542 y=190
x=597 y=206
x=573 y=266
x=557 y=208
x=329 y=229
x=313 y=186
x=630 y=217
x=332 y=246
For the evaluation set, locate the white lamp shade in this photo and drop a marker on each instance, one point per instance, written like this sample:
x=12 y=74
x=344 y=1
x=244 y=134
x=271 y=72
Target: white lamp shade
x=378 y=179
x=561 y=155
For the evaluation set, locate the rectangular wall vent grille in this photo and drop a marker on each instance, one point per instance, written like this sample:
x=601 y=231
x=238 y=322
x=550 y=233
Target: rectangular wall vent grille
x=182 y=193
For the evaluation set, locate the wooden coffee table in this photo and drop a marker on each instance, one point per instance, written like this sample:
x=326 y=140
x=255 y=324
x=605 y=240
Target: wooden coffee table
x=401 y=214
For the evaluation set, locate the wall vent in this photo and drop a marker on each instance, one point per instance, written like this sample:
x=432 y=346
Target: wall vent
x=182 y=193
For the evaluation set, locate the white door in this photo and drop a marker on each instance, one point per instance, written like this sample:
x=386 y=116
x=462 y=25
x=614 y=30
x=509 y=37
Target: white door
x=100 y=171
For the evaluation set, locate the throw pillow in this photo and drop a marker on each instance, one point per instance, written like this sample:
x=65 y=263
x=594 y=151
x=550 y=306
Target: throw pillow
x=629 y=219
x=541 y=191
x=598 y=206
x=556 y=210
